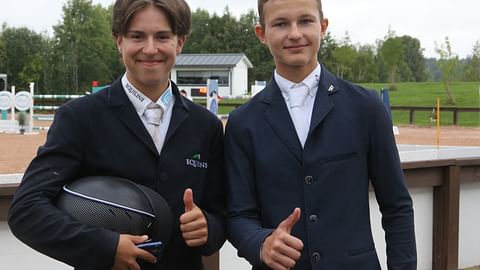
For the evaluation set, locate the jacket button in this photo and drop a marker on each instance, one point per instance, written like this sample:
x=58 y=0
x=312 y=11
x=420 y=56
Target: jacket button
x=316 y=256
x=313 y=218
x=308 y=179
x=163 y=176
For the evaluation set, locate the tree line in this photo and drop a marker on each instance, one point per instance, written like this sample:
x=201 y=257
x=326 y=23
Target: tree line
x=82 y=50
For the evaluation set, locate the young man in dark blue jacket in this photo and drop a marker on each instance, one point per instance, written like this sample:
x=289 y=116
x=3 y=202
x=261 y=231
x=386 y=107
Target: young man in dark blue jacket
x=109 y=133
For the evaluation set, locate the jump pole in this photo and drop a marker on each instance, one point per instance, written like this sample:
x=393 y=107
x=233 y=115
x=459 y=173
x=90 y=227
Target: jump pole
x=437 y=136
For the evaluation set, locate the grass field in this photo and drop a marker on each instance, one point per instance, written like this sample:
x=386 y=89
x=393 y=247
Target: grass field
x=466 y=94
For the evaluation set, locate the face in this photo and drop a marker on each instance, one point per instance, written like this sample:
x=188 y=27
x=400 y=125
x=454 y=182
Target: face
x=149 y=49
x=293 y=33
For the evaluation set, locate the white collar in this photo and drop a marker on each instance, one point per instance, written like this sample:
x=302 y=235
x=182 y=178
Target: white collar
x=311 y=81
x=140 y=101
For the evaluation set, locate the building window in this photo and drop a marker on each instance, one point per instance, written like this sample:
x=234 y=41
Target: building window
x=196 y=78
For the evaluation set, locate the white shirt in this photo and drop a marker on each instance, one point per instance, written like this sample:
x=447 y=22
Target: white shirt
x=306 y=110
x=140 y=102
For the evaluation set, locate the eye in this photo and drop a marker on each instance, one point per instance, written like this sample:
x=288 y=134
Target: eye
x=280 y=24
x=164 y=36
x=306 y=21
x=135 y=36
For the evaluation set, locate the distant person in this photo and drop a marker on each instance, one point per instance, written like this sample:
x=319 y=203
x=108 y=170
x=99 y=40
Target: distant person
x=299 y=156
x=112 y=133
x=185 y=94
x=214 y=102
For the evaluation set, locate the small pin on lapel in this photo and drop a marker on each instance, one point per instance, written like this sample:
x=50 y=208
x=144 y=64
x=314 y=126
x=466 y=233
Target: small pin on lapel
x=330 y=89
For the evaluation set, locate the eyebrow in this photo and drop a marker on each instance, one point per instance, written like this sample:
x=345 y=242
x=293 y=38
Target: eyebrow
x=143 y=32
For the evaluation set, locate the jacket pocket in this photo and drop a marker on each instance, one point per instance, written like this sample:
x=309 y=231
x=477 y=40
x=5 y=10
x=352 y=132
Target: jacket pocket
x=339 y=158
x=360 y=251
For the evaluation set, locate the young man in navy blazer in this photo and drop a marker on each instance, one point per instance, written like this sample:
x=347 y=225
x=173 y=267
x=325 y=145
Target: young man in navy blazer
x=299 y=157
x=108 y=133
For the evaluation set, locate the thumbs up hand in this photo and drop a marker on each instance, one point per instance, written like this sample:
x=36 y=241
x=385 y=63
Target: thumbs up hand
x=193 y=223
x=281 y=250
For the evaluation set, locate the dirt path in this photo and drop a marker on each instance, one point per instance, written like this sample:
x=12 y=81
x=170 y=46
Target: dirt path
x=16 y=151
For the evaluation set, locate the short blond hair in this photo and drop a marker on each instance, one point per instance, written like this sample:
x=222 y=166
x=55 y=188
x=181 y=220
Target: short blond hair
x=262 y=17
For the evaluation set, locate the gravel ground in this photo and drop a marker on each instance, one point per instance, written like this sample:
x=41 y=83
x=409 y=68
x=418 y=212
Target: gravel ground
x=16 y=151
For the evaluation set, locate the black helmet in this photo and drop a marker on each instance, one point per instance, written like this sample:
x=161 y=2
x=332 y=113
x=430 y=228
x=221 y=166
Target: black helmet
x=119 y=205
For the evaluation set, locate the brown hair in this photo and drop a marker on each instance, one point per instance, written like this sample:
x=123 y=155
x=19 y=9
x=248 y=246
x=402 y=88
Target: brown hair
x=177 y=11
x=262 y=17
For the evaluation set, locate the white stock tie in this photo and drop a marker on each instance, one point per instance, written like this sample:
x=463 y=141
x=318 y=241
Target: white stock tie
x=299 y=117
x=153 y=114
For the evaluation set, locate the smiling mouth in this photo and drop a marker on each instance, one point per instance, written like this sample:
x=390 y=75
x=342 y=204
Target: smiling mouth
x=295 y=47
x=149 y=62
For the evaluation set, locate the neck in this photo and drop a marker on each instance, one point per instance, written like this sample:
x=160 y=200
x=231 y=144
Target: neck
x=152 y=91
x=295 y=74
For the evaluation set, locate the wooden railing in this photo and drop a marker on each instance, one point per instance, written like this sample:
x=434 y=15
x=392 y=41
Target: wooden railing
x=412 y=109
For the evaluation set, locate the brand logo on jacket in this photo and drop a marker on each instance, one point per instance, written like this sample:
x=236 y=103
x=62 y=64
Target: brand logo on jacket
x=196 y=162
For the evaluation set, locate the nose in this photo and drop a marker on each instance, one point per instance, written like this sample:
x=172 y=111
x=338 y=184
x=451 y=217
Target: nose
x=150 y=46
x=294 y=32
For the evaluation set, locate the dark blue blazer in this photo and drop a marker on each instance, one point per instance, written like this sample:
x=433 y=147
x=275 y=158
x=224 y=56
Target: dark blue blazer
x=102 y=134
x=269 y=174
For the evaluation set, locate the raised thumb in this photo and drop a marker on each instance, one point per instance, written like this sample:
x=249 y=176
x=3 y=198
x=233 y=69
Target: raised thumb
x=188 y=199
x=287 y=224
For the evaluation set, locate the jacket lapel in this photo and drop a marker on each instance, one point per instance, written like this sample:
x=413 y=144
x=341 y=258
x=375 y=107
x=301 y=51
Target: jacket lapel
x=278 y=117
x=124 y=110
x=323 y=104
x=179 y=113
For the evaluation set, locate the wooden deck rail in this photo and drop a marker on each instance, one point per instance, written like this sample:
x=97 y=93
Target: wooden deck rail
x=455 y=110
x=443 y=176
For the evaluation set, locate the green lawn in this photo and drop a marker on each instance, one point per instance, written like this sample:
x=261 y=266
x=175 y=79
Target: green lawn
x=466 y=94
x=418 y=94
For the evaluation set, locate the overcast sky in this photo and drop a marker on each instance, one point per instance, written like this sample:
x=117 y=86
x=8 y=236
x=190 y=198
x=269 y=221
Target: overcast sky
x=366 y=21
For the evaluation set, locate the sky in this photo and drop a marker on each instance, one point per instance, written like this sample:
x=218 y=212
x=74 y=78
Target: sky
x=366 y=21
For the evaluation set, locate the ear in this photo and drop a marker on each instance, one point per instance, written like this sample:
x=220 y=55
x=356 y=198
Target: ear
x=118 y=42
x=180 y=42
x=324 y=25
x=260 y=33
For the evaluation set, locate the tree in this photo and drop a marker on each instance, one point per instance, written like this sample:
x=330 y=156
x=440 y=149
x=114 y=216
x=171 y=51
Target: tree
x=472 y=69
x=447 y=63
x=414 y=59
x=22 y=55
x=84 y=50
x=392 y=54
x=364 y=69
x=344 y=59
x=344 y=56
x=327 y=48
x=3 y=55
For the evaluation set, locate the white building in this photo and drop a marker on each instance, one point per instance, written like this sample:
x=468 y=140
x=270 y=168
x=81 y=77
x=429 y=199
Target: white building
x=192 y=71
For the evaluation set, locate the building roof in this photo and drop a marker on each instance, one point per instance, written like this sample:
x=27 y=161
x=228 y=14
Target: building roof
x=212 y=59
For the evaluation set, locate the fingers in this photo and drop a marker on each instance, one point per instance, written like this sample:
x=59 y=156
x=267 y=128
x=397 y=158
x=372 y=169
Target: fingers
x=189 y=223
x=127 y=252
x=188 y=200
x=287 y=224
x=281 y=250
x=137 y=239
x=194 y=235
x=146 y=255
x=194 y=227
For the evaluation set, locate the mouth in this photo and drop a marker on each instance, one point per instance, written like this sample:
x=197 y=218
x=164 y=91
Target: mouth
x=295 y=47
x=149 y=62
